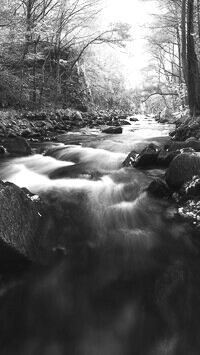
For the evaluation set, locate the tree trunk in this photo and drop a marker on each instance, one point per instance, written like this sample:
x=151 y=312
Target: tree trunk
x=34 y=73
x=183 y=37
x=193 y=81
x=198 y=17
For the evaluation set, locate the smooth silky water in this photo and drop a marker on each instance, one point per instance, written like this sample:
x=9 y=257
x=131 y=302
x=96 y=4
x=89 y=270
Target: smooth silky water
x=129 y=278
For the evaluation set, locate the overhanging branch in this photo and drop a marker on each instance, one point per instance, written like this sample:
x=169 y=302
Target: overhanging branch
x=161 y=94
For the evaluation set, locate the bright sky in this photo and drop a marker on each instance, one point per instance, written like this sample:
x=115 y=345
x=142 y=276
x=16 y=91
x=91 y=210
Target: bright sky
x=138 y=14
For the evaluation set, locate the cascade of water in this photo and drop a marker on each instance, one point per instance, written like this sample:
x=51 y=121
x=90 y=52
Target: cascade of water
x=128 y=285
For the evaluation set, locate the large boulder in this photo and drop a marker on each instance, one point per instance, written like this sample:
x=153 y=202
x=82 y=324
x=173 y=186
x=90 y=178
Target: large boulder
x=18 y=146
x=182 y=168
x=147 y=157
x=21 y=222
x=113 y=130
x=188 y=143
x=166 y=156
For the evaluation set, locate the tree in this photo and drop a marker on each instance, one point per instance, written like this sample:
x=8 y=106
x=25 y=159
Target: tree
x=174 y=44
x=193 y=74
x=45 y=43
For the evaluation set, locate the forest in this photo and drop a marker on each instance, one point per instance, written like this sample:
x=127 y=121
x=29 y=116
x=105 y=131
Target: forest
x=47 y=57
x=52 y=55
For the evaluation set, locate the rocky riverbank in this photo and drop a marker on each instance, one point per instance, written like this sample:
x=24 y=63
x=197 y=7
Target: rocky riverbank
x=43 y=126
x=180 y=159
x=186 y=126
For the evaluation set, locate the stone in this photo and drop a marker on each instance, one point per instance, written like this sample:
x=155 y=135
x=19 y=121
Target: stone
x=26 y=132
x=181 y=133
x=18 y=146
x=159 y=189
x=130 y=159
x=147 y=157
x=134 y=119
x=188 y=143
x=112 y=130
x=191 y=188
x=182 y=168
x=21 y=222
x=165 y=157
x=125 y=123
x=2 y=150
x=193 y=143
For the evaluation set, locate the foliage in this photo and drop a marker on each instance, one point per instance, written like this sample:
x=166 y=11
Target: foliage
x=174 y=47
x=42 y=50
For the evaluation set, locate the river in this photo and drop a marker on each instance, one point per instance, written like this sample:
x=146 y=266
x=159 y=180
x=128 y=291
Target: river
x=130 y=283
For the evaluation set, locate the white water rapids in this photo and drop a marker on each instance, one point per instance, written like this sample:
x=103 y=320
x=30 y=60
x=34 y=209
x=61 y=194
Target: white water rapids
x=131 y=284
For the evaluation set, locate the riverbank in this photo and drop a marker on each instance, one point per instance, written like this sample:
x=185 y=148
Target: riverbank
x=44 y=126
x=186 y=126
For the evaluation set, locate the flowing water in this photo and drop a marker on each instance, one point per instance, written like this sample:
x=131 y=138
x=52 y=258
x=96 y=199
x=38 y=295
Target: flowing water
x=129 y=278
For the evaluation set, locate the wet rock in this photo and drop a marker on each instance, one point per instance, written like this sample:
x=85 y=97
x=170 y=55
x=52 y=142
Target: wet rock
x=113 y=130
x=11 y=134
x=188 y=143
x=74 y=171
x=181 y=133
x=125 y=123
x=188 y=202
x=134 y=119
x=131 y=158
x=147 y=157
x=175 y=145
x=11 y=261
x=21 y=222
x=26 y=132
x=193 y=143
x=163 y=120
x=190 y=211
x=182 y=168
x=165 y=157
x=2 y=150
x=191 y=189
x=18 y=146
x=159 y=189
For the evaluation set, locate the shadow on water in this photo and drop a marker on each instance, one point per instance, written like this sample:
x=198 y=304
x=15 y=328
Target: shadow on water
x=129 y=280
